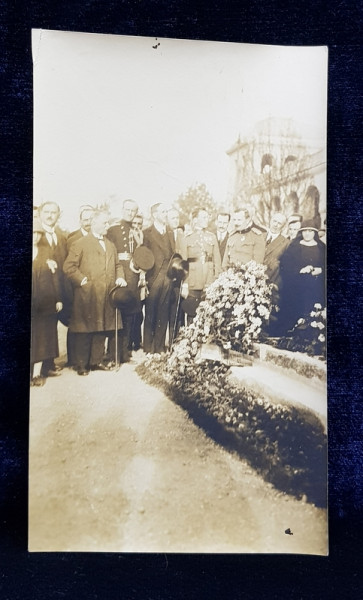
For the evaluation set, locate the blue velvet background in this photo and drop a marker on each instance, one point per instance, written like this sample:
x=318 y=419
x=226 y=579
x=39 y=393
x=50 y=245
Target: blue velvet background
x=44 y=576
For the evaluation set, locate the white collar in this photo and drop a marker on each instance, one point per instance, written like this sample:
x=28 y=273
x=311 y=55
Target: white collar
x=48 y=229
x=160 y=228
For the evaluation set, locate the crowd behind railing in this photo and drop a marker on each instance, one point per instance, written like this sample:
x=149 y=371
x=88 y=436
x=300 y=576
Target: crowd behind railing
x=121 y=287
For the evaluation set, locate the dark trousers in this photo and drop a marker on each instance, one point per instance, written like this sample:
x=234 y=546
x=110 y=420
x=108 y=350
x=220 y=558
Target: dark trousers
x=71 y=359
x=89 y=348
x=135 y=333
x=157 y=314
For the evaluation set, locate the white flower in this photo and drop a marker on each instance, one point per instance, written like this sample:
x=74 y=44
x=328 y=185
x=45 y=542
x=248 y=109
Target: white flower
x=314 y=324
x=318 y=306
x=321 y=337
x=320 y=325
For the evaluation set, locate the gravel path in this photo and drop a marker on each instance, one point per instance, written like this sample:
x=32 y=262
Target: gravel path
x=115 y=466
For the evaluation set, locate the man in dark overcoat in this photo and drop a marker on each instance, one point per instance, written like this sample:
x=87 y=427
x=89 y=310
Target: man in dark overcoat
x=53 y=244
x=93 y=268
x=160 y=240
x=276 y=244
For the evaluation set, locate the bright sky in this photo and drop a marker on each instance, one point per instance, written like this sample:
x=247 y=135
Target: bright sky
x=115 y=118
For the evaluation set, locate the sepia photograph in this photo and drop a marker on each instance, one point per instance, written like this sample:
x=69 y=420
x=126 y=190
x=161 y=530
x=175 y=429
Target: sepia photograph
x=178 y=399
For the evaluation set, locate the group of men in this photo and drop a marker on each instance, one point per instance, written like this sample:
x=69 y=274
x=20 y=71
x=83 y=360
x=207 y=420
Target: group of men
x=97 y=259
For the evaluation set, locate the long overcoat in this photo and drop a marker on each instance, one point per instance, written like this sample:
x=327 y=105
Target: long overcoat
x=45 y=295
x=92 y=310
x=273 y=252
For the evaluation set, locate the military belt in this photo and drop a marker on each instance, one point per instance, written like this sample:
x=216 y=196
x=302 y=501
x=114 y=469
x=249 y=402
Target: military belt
x=124 y=255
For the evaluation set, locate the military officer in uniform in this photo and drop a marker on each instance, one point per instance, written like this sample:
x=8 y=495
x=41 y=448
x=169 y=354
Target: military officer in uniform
x=203 y=256
x=246 y=242
x=126 y=239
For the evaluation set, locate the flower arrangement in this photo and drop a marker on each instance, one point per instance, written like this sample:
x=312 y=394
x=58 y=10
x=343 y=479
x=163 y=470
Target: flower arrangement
x=232 y=315
x=308 y=334
x=236 y=305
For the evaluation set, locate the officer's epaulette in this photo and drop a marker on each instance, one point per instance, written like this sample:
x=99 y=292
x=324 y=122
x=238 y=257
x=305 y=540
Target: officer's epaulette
x=257 y=230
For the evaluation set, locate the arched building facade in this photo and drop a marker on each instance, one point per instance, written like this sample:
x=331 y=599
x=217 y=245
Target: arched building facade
x=275 y=169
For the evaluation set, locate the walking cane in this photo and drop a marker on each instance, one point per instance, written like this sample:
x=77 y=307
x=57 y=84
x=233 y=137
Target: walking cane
x=116 y=340
x=176 y=317
x=115 y=305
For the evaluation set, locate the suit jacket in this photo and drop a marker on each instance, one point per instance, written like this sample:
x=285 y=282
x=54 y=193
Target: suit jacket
x=273 y=252
x=92 y=310
x=59 y=253
x=162 y=247
x=222 y=245
x=73 y=237
x=180 y=243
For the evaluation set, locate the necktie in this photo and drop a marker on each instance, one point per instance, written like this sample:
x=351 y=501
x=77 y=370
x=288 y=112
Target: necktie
x=52 y=238
x=102 y=243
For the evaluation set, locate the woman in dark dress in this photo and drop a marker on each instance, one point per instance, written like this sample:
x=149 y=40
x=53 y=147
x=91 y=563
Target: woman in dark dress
x=302 y=270
x=45 y=306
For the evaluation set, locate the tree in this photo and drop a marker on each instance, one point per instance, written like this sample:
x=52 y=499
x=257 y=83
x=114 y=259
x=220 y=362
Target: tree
x=196 y=196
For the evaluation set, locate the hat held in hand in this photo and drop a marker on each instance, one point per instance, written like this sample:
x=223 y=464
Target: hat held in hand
x=143 y=258
x=121 y=297
x=178 y=268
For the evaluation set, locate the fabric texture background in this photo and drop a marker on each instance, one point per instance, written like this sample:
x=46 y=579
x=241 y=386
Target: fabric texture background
x=46 y=576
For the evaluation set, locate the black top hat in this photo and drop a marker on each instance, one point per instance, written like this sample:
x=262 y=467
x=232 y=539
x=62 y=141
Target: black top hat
x=143 y=258
x=121 y=297
x=178 y=268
